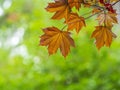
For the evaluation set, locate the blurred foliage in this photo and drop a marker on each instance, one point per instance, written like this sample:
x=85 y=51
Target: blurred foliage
x=24 y=65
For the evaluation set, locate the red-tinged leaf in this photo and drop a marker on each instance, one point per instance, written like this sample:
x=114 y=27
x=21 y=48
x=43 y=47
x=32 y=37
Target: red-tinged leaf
x=54 y=39
x=102 y=1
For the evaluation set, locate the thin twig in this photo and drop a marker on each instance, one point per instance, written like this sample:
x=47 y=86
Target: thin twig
x=103 y=9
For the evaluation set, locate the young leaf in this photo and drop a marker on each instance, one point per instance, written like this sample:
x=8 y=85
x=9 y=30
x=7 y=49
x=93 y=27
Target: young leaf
x=54 y=39
x=103 y=36
x=75 y=22
x=107 y=18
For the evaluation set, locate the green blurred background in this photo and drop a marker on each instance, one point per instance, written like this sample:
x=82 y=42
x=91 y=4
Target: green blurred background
x=24 y=65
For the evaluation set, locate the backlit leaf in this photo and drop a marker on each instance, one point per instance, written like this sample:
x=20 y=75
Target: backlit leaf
x=75 y=22
x=103 y=36
x=54 y=39
x=61 y=9
x=107 y=18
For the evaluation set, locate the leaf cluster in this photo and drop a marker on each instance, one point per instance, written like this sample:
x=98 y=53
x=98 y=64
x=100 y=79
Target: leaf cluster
x=56 y=38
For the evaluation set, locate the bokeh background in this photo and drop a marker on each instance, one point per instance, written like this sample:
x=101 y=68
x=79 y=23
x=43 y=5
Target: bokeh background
x=24 y=65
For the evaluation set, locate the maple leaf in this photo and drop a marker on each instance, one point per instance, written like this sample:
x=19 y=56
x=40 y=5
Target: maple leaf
x=75 y=3
x=54 y=39
x=61 y=9
x=103 y=36
x=107 y=18
x=75 y=22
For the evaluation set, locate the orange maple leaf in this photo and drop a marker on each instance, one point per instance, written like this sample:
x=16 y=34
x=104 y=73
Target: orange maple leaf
x=54 y=39
x=75 y=22
x=103 y=36
x=75 y=3
x=61 y=9
x=107 y=18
